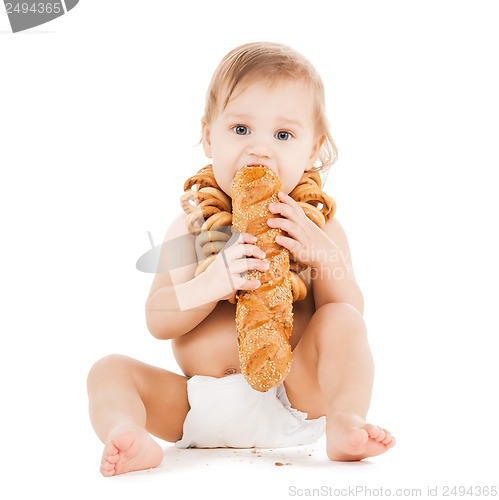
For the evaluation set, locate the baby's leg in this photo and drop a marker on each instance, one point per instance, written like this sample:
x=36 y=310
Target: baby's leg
x=127 y=400
x=332 y=374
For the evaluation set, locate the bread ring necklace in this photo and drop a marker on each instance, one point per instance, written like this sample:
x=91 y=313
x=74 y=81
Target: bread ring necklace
x=207 y=206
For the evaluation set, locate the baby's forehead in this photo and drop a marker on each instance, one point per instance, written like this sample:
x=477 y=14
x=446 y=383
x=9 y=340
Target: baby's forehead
x=289 y=93
x=260 y=83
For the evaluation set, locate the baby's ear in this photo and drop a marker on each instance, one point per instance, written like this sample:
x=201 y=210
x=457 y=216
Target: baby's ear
x=206 y=138
x=319 y=143
x=315 y=150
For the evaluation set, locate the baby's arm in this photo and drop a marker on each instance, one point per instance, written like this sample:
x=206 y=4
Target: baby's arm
x=178 y=301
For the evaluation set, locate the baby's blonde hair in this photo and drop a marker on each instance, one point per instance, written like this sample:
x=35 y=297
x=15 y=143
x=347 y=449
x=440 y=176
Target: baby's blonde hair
x=272 y=63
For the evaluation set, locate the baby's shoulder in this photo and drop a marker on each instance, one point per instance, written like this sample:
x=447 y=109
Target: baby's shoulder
x=177 y=240
x=334 y=229
x=177 y=227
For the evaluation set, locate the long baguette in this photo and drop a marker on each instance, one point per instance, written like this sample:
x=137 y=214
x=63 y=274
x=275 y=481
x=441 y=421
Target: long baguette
x=264 y=317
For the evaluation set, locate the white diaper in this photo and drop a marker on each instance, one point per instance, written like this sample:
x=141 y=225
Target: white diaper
x=228 y=413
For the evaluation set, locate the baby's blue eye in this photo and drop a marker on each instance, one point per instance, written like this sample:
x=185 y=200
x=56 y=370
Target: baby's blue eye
x=240 y=128
x=285 y=137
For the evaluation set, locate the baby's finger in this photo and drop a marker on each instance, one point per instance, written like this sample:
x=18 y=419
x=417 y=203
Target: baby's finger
x=249 y=237
x=244 y=250
x=238 y=238
x=243 y=237
x=243 y=265
x=245 y=284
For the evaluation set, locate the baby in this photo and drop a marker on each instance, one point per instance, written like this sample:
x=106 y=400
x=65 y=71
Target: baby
x=265 y=106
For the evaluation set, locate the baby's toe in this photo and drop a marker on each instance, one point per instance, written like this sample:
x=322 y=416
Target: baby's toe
x=388 y=437
x=391 y=443
x=112 y=459
x=375 y=432
x=107 y=469
x=110 y=450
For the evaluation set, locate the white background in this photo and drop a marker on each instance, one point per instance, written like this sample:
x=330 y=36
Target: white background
x=99 y=119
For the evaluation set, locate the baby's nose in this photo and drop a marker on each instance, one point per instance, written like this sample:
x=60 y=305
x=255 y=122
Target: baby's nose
x=260 y=149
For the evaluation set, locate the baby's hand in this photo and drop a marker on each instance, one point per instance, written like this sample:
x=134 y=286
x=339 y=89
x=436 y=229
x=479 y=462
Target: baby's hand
x=225 y=273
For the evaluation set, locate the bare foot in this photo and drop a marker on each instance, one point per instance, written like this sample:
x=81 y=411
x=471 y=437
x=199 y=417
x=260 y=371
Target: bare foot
x=350 y=438
x=128 y=450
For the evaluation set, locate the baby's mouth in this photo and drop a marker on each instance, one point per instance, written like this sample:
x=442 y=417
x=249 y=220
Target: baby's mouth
x=257 y=165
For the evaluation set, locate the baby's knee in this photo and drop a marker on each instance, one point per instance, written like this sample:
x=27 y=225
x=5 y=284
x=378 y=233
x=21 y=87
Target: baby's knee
x=107 y=366
x=342 y=317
